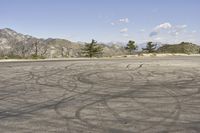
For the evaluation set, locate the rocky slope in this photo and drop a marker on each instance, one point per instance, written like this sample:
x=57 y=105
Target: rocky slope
x=17 y=45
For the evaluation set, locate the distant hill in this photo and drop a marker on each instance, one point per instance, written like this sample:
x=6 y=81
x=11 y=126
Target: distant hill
x=184 y=47
x=17 y=45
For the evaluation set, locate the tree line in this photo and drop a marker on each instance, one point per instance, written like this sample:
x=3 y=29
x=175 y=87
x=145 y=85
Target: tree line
x=36 y=49
x=93 y=49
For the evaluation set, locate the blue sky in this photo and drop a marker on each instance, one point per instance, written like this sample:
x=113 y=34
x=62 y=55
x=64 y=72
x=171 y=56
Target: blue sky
x=166 y=21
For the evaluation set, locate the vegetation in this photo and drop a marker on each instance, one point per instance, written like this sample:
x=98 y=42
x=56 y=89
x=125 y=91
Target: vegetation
x=184 y=47
x=131 y=47
x=34 y=56
x=150 y=47
x=92 y=49
x=14 y=45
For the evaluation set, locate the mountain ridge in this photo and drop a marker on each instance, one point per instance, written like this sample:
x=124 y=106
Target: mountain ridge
x=14 y=44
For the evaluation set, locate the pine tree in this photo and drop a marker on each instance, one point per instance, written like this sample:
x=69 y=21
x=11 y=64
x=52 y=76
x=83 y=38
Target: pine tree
x=131 y=46
x=150 y=47
x=92 y=49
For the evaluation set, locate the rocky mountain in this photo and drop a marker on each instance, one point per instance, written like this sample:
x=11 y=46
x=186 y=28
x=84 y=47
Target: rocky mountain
x=13 y=44
x=17 y=45
x=9 y=34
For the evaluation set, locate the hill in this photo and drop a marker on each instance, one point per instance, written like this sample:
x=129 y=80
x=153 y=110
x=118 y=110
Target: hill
x=184 y=47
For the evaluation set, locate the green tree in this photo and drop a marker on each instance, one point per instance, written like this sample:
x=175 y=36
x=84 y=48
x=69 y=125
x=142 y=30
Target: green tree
x=131 y=46
x=150 y=47
x=92 y=49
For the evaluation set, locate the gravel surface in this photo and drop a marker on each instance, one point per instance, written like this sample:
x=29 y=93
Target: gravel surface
x=141 y=95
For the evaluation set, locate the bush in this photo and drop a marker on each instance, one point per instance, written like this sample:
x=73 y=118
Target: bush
x=140 y=54
x=33 y=56
x=153 y=55
x=12 y=57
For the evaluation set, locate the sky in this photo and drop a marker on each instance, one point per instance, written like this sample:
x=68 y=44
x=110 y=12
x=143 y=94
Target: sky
x=166 y=21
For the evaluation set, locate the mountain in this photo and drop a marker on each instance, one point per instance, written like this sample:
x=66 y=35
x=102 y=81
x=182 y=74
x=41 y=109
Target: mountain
x=17 y=45
x=14 y=44
x=8 y=36
x=11 y=34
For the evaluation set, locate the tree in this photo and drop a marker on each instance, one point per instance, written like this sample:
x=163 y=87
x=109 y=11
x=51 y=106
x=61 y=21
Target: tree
x=18 y=49
x=35 y=45
x=39 y=48
x=21 y=49
x=92 y=49
x=150 y=47
x=131 y=46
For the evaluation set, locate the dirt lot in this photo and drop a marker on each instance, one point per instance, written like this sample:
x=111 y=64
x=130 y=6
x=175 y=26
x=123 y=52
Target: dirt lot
x=152 y=95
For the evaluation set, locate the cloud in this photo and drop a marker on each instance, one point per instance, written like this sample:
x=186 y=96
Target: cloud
x=178 y=29
x=112 y=23
x=167 y=28
x=124 y=20
x=181 y=26
x=163 y=26
x=159 y=28
x=153 y=33
x=169 y=33
x=142 y=30
x=120 y=21
x=124 y=30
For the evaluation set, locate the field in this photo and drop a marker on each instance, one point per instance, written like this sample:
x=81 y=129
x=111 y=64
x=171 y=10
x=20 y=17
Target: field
x=135 y=95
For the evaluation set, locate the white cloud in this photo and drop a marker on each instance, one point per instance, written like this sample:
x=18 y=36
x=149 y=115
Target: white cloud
x=167 y=28
x=124 y=20
x=159 y=28
x=181 y=26
x=163 y=26
x=112 y=23
x=120 y=21
x=124 y=30
x=168 y=33
x=177 y=30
